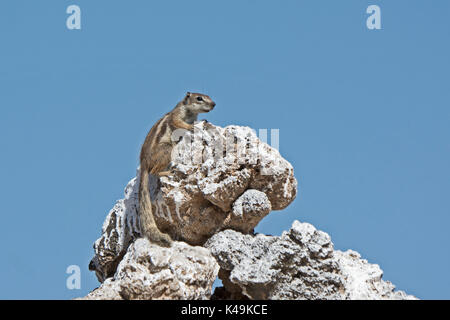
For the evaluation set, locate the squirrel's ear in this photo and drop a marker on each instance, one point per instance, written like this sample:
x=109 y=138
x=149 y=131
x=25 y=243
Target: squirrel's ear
x=185 y=100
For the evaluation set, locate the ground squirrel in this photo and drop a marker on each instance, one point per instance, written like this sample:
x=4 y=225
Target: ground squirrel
x=156 y=156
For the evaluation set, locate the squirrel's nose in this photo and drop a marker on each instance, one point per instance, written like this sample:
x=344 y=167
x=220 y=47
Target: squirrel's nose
x=213 y=104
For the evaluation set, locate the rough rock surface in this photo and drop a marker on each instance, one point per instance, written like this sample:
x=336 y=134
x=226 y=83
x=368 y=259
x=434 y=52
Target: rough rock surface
x=363 y=281
x=299 y=264
x=148 y=271
x=222 y=178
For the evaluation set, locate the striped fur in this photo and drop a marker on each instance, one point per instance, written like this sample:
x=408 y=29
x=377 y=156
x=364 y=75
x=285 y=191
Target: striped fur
x=156 y=152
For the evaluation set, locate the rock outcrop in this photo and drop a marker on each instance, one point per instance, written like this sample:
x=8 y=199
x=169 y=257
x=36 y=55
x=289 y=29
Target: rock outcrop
x=222 y=178
x=147 y=271
x=299 y=264
x=223 y=182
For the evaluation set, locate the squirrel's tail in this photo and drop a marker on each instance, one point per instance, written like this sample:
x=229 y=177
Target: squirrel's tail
x=149 y=229
x=146 y=218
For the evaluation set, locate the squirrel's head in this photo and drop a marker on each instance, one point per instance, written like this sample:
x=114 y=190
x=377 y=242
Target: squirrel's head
x=198 y=103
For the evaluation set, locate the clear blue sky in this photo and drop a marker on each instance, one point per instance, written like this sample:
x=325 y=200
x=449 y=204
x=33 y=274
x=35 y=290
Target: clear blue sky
x=363 y=117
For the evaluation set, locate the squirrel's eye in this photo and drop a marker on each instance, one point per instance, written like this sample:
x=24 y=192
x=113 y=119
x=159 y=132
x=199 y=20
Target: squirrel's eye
x=199 y=99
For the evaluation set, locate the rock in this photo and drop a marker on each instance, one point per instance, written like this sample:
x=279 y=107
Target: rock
x=248 y=210
x=120 y=228
x=363 y=280
x=221 y=178
x=299 y=264
x=148 y=271
x=223 y=182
